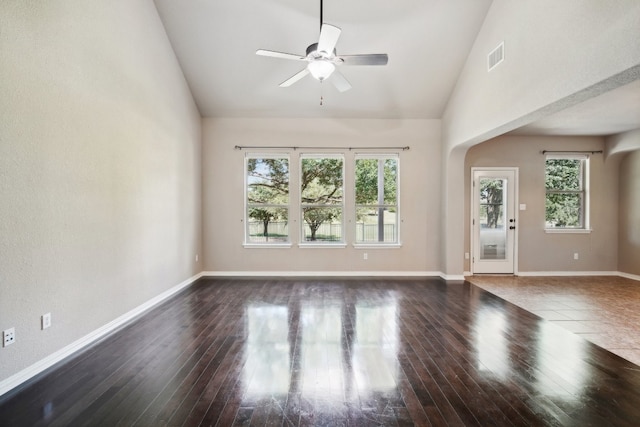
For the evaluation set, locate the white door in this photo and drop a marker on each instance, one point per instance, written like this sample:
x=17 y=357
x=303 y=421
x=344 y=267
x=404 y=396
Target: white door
x=494 y=220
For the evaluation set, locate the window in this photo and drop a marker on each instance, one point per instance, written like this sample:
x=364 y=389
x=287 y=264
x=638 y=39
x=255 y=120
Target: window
x=267 y=199
x=566 y=183
x=322 y=198
x=376 y=199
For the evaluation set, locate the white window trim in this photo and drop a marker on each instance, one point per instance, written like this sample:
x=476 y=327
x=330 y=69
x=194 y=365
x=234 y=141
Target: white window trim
x=266 y=245
x=380 y=245
x=373 y=245
x=263 y=245
x=568 y=230
x=586 y=179
x=327 y=245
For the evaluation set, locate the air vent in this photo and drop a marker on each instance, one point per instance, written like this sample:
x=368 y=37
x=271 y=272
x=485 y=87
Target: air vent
x=495 y=57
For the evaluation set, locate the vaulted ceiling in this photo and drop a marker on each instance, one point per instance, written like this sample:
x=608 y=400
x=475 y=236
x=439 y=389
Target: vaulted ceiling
x=427 y=42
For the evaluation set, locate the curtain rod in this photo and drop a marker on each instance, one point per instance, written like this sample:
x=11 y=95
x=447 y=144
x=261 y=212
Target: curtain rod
x=255 y=147
x=573 y=152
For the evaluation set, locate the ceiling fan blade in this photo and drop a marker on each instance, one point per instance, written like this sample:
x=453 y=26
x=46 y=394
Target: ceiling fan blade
x=280 y=55
x=328 y=38
x=370 y=59
x=291 y=80
x=339 y=81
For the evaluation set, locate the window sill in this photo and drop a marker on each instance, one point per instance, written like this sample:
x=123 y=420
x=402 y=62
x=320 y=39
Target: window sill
x=266 y=245
x=322 y=245
x=567 y=230
x=377 y=245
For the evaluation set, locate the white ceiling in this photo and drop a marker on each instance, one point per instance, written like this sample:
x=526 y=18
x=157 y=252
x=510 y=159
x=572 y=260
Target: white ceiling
x=427 y=42
x=611 y=113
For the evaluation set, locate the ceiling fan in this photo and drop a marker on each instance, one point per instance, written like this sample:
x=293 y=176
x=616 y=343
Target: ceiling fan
x=322 y=59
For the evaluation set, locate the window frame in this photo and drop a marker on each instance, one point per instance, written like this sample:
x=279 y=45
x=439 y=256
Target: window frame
x=301 y=206
x=584 y=192
x=377 y=244
x=247 y=243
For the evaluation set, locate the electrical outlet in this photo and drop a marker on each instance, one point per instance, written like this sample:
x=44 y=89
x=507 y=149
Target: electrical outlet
x=466 y=255
x=197 y=257
x=9 y=336
x=46 y=321
x=365 y=256
x=576 y=256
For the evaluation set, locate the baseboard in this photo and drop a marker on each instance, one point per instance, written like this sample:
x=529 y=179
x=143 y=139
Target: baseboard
x=572 y=273
x=38 y=367
x=452 y=277
x=567 y=273
x=322 y=274
x=629 y=276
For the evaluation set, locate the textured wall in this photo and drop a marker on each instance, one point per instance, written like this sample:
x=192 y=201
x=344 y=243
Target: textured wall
x=537 y=250
x=223 y=193
x=629 y=238
x=99 y=169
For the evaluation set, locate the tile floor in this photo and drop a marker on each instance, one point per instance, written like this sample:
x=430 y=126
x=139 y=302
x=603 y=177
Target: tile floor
x=603 y=310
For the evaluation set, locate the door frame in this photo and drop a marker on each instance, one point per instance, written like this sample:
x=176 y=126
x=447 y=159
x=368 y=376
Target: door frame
x=516 y=210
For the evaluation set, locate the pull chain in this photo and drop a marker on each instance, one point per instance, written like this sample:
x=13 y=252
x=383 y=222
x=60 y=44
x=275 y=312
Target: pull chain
x=321 y=97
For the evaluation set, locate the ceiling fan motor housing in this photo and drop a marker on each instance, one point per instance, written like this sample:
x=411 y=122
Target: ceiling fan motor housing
x=312 y=52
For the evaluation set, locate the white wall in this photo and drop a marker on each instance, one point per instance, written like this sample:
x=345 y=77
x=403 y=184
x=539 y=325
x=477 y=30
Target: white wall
x=223 y=195
x=557 y=54
x=622 y=143
x=539 y=251
x=99 y=169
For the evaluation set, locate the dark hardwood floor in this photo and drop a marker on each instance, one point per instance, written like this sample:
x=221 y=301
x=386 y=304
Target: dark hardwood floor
x=334 y=352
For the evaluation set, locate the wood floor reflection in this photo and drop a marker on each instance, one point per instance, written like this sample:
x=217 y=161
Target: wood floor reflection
x=335 y=352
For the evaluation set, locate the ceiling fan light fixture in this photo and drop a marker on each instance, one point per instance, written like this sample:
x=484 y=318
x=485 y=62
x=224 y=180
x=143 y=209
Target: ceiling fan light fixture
x=321 y=69
x=322 y=58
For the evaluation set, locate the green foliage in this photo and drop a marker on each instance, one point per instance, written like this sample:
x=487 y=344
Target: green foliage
x=367 y=181
x=491 y=199
x=268 y=181
x=321 y=181
x=315 y=217
x=563 y=210
x=268 y=184
x=564 y=204
x=368 y=192
x=266 y=215
x=321 y=184
x=563 y=174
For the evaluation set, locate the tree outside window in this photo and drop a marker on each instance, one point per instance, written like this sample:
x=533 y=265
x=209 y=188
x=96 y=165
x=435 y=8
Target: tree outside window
x=376 y=199
x=491 y=202
x=322 y=197
x=566 y=195
x=267 y=199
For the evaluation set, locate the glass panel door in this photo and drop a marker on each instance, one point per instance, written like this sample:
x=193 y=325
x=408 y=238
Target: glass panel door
x=494 y=222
